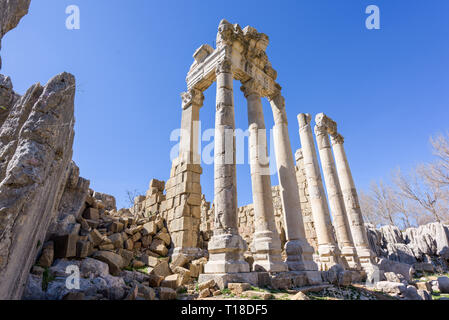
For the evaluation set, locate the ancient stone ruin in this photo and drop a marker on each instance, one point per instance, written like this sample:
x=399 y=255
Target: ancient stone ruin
x=306 y=233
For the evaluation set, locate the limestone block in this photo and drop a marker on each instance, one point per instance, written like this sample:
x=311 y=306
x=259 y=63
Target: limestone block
x=180 y=261
x=259 y=294
x=96 y=237
x=83 y=249
x=65 y=246
x=443 y=284
x=159 y=247
x=149 y=228
x=238 y=288
x=167 y=293
x=149 y=260
x=113 y=260
x=154 y=280
x=171 y=281
x=47 y=255
x=164 y=236
x=162 y=269
x=91 y=214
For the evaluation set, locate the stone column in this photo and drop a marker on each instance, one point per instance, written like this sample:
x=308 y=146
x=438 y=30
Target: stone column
x=323 y=127
x=351 y=201
x=327 y=248
x=299 y=251
x=183 y=189
x=226 y=247
x=267 y=243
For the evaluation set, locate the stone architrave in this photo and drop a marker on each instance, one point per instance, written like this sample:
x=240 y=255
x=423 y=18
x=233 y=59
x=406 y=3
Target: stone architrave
x=267 y=243
x=351 y=202
x=226 y=246
x=299 y=252
x=327 y=247
x=325 y=126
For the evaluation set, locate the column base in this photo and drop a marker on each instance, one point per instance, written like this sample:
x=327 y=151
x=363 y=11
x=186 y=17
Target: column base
x=366 y=257
x=268 y=253
x=226 y=254
x=300 y=256
x=349 y=254
x=223 y=279
x=329 y=256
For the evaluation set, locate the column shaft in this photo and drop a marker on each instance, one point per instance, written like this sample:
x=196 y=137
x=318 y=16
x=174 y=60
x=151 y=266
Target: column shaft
x=327 y=248
x=334 y=193
x=299 y=251
x=226 y=246
x=266 y=238
x=183 y=214
x=351 y=201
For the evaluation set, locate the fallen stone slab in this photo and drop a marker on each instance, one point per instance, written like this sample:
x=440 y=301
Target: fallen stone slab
x=113 y=260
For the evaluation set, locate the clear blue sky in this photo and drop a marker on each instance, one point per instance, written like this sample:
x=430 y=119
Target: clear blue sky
x=388 y=89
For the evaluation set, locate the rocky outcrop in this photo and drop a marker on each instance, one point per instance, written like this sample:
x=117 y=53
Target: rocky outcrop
x=35 y=150
x=7 y=97
x=11 y=11
x=72 y=204
x=426 y=246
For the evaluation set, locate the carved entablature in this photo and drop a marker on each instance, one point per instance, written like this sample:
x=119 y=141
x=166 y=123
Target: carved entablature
x=224 y=66
x=202 y=53
x=193 y=96
x=245 y=49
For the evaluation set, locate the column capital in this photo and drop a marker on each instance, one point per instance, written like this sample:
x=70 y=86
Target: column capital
x=277 y=102
x=251 y=87
x=326 y=123
x=223 y=66
x=320 y=129
x=304 y=120
x=337 y=139
x=192 y=97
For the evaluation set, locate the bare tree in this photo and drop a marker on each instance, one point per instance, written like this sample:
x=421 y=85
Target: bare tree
x=437 y=172
x=131 y=195
x=369 y=211
x=423 y=191
x=384 y=198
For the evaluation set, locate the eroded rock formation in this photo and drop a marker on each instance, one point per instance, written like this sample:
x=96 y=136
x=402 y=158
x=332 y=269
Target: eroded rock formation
x=10 y=14
x=36 y=151
x=425 y=247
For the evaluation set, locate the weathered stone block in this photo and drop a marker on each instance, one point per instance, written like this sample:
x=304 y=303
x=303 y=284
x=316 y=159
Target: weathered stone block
x=159 y=247
x=91 y=214
x=113 y=260
x=167 y=294
x=65 y=246
x=238 y=288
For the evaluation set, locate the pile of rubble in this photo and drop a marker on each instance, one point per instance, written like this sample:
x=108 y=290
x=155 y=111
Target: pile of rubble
x=118 y=256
